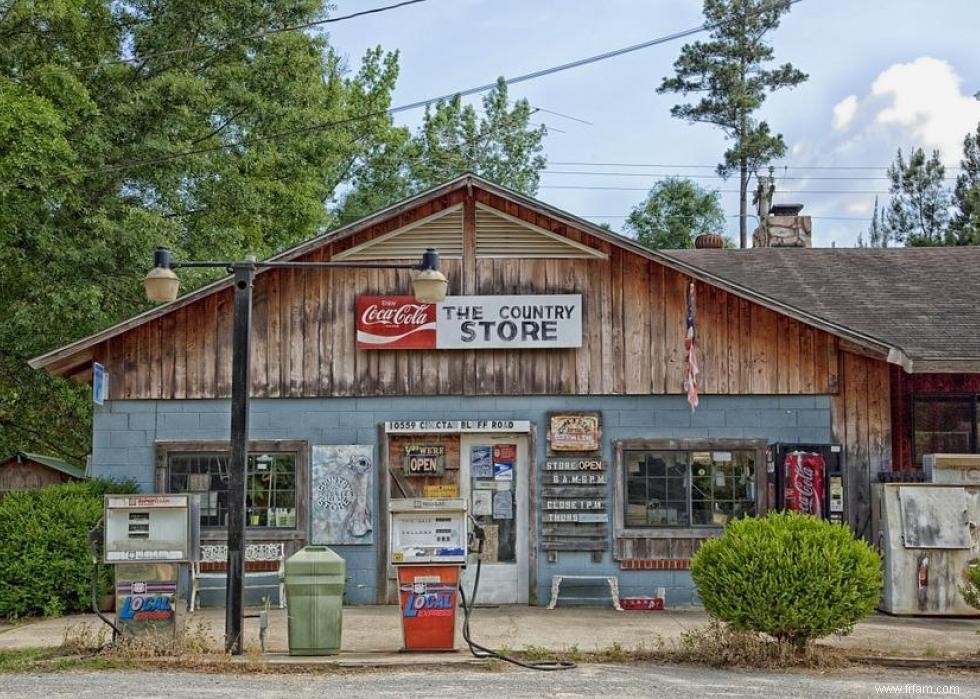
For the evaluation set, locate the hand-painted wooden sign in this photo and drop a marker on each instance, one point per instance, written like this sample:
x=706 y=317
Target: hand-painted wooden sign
x=574 y=497
x=576 y=517
x=575 y=479
x=574 y=504
x=574 y=465
x=425 y=459
x=574 y=432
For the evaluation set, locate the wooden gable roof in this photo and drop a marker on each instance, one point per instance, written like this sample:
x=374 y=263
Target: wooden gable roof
x=564 y=232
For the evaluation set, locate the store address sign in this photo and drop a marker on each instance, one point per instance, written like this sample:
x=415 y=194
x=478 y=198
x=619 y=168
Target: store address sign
x=470 y=322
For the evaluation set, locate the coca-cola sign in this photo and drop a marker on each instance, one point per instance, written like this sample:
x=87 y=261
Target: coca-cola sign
x=395 y=322
x=470 y=322
x=804 y=477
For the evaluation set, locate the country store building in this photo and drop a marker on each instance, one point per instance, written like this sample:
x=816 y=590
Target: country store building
x=560 y=412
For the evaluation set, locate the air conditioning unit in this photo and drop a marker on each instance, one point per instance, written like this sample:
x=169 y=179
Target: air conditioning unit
x=953 y=469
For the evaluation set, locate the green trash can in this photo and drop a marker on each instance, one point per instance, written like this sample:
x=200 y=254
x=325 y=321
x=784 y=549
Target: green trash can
x=314 y=579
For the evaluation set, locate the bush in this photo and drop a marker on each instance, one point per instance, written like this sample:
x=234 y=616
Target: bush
x=971 y=587
x=792 y=576
x=45 y=564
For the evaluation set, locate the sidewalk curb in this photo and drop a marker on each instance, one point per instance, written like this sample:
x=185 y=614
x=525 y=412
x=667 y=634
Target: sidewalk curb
x=354 y=661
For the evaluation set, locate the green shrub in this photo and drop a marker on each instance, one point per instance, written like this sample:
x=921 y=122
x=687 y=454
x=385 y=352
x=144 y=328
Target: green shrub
x=971 y=589
x=45 y=564
x=792 y=576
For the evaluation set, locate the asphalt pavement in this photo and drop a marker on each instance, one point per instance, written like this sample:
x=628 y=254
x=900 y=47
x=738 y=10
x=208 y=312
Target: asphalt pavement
x=637 y=680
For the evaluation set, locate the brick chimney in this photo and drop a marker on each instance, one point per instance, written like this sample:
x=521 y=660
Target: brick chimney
x=780 y=225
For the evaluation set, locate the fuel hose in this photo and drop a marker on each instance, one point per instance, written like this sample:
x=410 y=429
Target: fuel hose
x=479 y=651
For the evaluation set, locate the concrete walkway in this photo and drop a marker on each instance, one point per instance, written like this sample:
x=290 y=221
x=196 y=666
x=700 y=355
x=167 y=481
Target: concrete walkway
x=374 y=631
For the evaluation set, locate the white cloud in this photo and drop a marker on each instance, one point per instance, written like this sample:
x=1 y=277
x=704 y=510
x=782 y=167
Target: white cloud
x=859 y=207
x=926 y=99
x=845 y=111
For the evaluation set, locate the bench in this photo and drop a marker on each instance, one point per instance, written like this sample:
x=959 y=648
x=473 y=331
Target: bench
x=611 y=580
x=260 y=560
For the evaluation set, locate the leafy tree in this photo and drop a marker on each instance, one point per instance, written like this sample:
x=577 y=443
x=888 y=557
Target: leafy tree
x=124 y=125
x=730 y=74
x=501 y=145
x=919 y=211
x=965 y=227
x=675 y=211
x=878 y=234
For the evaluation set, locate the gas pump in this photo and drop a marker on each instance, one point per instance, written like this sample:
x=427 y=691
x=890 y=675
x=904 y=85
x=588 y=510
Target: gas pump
x=148 y=538
x=428 y=547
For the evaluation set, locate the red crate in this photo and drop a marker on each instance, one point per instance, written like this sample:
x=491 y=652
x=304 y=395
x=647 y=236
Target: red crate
x=643 y=604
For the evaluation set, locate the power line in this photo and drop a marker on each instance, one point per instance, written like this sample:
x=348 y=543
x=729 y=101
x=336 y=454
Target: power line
x=819 y=218
x=724 y=191
x=128 y=60
x=712 y=167
x=417 y=104
x=586 y=61
x=721 y=177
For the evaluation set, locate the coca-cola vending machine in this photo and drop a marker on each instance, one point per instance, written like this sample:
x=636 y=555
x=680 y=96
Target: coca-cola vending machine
x=806 y=478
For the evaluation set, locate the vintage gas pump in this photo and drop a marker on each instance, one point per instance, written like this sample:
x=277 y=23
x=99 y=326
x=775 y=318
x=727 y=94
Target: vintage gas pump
x=428 y=548
x=147 y=539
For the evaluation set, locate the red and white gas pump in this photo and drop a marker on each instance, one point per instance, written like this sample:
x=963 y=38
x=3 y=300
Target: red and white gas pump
x=427 y=545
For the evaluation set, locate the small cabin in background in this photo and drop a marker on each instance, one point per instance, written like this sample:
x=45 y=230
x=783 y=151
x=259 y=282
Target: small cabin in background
x=25 y=471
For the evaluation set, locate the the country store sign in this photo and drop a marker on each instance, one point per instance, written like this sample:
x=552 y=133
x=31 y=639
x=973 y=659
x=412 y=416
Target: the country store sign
x=470 y=322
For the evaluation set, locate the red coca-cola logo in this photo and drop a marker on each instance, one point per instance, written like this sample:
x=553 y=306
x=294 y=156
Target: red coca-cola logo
x=395 y=322
x=805 y=482
x=405 y=314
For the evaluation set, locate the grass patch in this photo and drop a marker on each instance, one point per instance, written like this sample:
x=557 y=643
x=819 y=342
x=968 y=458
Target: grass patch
x=715 y=644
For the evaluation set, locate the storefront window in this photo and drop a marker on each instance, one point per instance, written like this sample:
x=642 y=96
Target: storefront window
x=270 y=495
x=687 y=488
x=944 y=425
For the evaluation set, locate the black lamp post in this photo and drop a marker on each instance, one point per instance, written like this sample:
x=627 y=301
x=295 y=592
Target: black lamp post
x=161 y=285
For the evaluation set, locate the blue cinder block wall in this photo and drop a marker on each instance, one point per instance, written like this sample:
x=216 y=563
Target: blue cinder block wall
x=125 y=433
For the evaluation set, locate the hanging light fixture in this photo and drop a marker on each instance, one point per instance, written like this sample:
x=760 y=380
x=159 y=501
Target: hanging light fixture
x=430 y=284
x=161 y=283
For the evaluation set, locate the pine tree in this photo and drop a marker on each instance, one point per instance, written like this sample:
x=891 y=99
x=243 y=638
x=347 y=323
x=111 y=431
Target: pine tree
x=965 y=227
x=919 y=211
x=729 y=73
x=878 y=234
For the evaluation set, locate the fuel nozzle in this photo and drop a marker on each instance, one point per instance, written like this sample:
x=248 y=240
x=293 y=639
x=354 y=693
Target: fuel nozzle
x=476 y=537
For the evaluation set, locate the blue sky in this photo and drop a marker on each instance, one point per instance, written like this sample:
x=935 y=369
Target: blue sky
x=884 y=74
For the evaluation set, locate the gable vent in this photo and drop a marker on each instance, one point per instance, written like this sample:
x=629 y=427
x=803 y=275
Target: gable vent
x=500 y=235
x=442 y=231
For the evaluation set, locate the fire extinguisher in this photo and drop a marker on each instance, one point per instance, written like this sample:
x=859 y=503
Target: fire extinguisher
x=922 y=577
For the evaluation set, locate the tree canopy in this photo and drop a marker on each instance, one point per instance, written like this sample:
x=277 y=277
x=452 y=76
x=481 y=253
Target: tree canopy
x=965 y=227
x=215 y=129
x=731 y=78
x=675 y=212
x=918 y=213
x=501 y=145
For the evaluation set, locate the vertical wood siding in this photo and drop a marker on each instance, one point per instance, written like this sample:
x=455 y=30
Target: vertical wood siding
x=303 y=332
x=861 y=419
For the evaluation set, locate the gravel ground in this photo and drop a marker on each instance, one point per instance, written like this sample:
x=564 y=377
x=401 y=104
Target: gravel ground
x=589 y=680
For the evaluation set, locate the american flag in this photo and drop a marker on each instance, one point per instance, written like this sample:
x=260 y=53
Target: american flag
x=691 y=380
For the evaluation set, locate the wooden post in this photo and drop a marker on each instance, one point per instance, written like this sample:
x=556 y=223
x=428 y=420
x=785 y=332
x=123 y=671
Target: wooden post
x=469 y=245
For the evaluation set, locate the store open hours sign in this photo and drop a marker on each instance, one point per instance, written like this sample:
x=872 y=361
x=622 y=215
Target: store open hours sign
x=470 y=322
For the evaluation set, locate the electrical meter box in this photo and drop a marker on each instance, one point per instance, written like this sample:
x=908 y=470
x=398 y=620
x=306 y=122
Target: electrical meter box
x=148 y=529
x=428 y=531
x=147 y=538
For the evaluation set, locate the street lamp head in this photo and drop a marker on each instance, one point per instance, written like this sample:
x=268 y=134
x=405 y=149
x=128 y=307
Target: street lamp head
x=430 y=284
x=161 y=283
